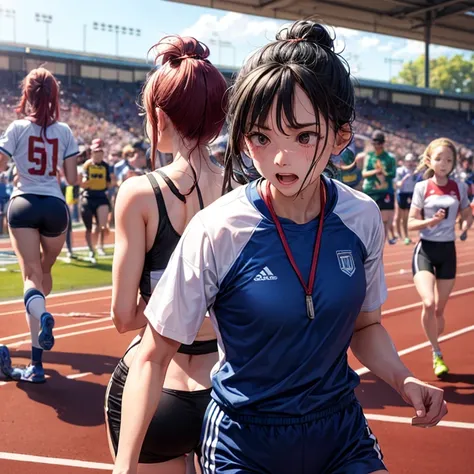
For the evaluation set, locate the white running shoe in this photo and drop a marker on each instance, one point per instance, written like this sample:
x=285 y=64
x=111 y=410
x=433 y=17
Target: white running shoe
x=92 y=258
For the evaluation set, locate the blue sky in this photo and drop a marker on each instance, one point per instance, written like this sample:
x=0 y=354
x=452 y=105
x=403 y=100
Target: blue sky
x=241 y=34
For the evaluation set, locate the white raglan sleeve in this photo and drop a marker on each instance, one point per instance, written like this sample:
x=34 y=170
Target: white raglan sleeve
x=419 y=195
x=8 y=140
x=376 y=288
x=188 y=287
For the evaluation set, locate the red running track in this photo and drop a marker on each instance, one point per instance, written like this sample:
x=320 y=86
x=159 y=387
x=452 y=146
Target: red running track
x=58 y=427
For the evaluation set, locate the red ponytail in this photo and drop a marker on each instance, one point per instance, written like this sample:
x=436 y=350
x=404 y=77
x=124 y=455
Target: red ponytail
x=40 y=98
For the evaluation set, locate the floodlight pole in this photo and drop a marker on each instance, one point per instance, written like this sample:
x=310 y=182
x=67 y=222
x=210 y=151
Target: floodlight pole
x=221 y=44
x=391 y=61
x=117 y=30
x=47 y=20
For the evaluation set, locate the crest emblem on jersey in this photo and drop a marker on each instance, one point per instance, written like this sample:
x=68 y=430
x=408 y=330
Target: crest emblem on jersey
x=346 y=262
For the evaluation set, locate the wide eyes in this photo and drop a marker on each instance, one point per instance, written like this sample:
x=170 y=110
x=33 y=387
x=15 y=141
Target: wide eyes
x=258 y=139
x=305 y=138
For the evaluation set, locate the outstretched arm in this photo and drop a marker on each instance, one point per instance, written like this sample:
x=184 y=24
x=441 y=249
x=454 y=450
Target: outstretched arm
x=374 y=348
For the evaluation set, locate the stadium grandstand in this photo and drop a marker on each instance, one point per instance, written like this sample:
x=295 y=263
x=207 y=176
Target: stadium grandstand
x=100 y=96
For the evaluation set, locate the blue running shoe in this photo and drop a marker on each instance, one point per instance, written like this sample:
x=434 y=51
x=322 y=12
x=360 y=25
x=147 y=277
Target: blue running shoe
x=33 y=374
x=45 y=337
x=6 y=364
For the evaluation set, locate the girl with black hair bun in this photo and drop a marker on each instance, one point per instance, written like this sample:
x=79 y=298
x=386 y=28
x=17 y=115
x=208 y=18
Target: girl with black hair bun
x=289 y=268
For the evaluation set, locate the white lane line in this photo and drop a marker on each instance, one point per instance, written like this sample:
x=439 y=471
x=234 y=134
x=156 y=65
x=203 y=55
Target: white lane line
x=398 y=262
x=62 y=328
x=402 y=271
x=61 y=336
x=408 y=250
x=423 y=345
x=56 y=461
x=5 y=382
x=60 y=295
x=406 y=420
x=59 y=305
x=419 y=304
x=78 y=376
x=82 y=315
x=409 y=285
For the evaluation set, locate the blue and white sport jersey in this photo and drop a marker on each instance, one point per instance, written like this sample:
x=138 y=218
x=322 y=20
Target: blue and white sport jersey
x=230 y=261
x=38 y=158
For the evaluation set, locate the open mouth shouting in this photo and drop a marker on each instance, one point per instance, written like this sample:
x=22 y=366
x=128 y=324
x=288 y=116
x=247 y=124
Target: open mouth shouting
x=287 y=179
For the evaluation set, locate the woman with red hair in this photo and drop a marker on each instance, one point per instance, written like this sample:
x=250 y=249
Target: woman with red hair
x=184 y=102
x=38 y=216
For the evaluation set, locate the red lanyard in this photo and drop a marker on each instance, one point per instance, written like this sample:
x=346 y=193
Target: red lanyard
x=266 y=195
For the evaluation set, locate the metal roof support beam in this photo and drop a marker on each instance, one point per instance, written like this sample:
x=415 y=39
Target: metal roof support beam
x=430 y=8
x=429 y=21
x=403 y=3
x=455 y=10
x=274 y=4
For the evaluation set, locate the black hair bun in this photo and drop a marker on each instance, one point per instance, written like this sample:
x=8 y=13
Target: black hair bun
x=307 y=30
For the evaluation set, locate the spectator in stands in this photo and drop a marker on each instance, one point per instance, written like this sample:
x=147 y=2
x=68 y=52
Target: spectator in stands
x=123 y=164
x=139 y=155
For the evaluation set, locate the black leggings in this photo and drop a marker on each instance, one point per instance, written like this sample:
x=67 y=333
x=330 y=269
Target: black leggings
x=175 y=429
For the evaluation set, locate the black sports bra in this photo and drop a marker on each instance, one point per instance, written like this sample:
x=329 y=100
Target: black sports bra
x=157 y=258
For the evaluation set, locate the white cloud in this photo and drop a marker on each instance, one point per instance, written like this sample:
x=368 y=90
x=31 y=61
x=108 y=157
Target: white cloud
x=346 y=32
x=233 y=27
x=411 y=48
x=436 y=51
x=386 y=48
x=367 y=42
x=417 y=48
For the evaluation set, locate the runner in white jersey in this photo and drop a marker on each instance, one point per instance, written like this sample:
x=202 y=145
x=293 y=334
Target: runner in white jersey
x=38 y=215
x=435 y=205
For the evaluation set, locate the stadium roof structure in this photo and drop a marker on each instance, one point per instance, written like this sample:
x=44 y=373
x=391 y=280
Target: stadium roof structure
x=62 y=54
x=443 y=22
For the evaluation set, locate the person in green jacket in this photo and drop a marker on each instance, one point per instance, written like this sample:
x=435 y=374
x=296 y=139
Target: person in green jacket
x=379 y=173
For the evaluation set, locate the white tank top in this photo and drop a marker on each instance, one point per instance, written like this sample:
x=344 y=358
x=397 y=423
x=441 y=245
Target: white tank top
x=37 y=158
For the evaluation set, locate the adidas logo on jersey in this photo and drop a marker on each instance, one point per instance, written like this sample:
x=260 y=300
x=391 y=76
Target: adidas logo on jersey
x=265 y=275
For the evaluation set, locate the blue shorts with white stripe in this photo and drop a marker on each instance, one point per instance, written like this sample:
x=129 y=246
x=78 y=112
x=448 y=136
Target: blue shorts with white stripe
x=336 y=441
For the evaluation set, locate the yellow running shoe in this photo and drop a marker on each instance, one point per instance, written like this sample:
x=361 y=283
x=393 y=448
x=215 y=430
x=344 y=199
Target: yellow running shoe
x=440 y=368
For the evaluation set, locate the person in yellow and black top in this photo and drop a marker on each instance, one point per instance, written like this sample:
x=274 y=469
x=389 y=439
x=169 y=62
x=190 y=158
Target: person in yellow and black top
x=96 y=179
x=379 y=172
